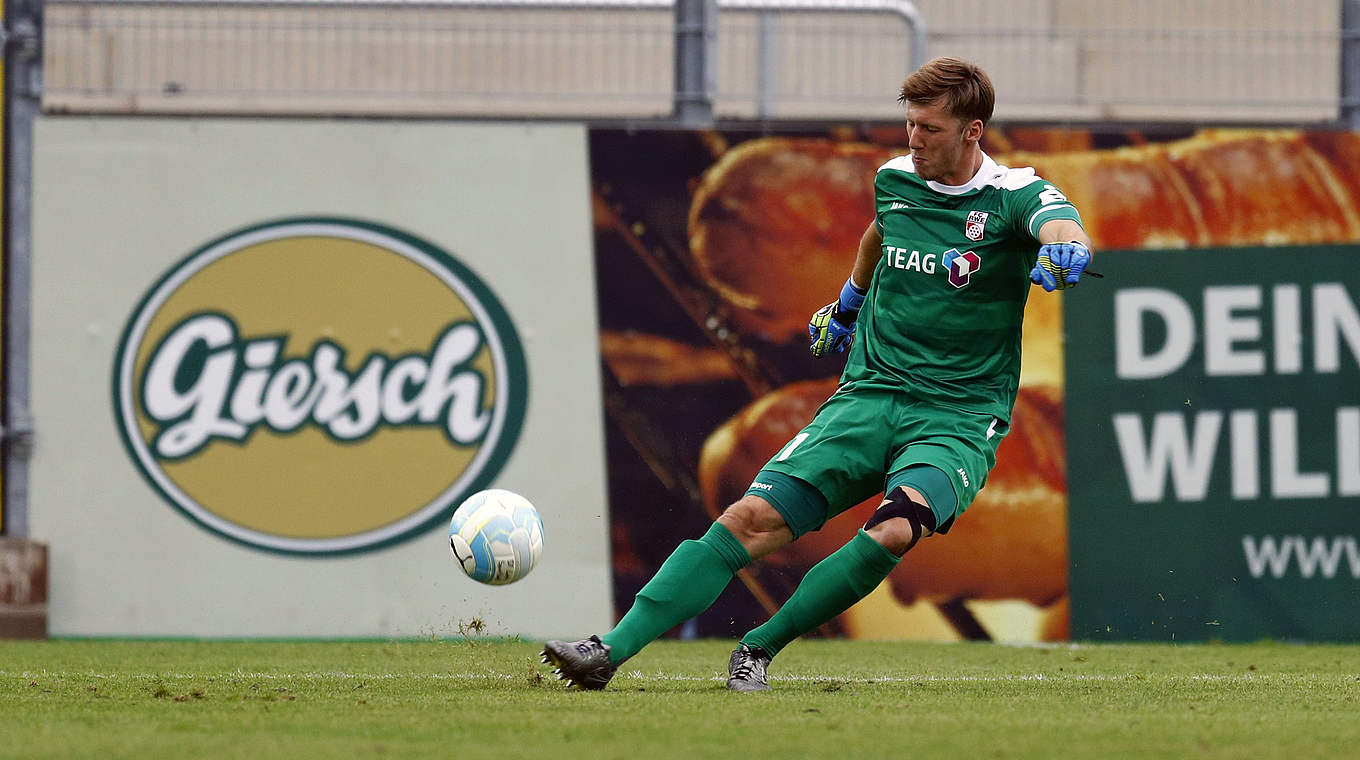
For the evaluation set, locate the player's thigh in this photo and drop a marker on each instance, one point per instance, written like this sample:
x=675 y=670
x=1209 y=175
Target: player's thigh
x=947 y=458
x=834 y=463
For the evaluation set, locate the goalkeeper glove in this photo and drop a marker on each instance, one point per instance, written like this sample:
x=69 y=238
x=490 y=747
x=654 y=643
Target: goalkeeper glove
x=1060 y=265
x=832 y=328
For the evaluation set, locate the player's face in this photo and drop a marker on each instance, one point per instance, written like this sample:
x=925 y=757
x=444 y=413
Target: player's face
x=939 y=143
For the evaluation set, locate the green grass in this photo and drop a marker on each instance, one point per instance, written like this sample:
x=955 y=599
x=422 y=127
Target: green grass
x=841 y=699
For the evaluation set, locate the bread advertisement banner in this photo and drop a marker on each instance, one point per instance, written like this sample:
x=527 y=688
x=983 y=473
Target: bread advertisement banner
x=713 y=249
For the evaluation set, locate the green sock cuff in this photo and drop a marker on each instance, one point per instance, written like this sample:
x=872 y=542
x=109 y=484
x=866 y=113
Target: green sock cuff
x=721 y=540
x=874 y=554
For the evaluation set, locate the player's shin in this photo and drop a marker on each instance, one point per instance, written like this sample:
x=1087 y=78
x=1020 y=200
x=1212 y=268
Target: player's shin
x=688 y=583
x=831 y=587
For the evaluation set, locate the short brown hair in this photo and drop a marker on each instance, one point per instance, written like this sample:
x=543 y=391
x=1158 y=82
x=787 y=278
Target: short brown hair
x=964 y=87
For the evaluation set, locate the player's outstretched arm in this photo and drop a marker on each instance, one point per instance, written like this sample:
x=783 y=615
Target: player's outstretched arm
x=832 y=327
x=1064 y=254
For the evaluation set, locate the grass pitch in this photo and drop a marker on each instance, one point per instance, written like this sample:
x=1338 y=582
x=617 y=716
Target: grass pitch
x=851 y=699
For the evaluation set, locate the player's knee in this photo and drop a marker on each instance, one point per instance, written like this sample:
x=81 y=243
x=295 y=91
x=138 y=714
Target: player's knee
x=896 y=534
x=757 y=525
x=900 y=521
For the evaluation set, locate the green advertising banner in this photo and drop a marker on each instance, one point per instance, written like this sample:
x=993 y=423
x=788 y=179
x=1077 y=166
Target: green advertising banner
x=1213 y=428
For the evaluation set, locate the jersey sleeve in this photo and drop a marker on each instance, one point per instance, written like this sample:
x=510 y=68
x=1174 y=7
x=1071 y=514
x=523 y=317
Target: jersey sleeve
x=1038 y=202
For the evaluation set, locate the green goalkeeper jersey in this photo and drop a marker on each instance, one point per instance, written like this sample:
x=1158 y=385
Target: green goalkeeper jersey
x=942 y=316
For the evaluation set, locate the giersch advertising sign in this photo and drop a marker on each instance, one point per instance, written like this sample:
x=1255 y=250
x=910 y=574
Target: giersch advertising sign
x=274 y=380
x=1213 y=428
x=317 y=340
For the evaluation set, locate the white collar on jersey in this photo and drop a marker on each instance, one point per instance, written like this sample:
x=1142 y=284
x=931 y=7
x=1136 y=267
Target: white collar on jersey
x=989 y=174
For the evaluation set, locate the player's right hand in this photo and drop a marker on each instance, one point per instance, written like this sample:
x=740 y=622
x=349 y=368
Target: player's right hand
x=829 y=334
x=1060 y=265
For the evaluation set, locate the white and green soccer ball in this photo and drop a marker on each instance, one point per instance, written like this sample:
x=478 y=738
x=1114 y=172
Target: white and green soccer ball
x=496 y=536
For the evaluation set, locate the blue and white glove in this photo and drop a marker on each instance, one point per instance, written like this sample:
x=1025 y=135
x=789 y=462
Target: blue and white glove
x=1060 y=265
x=832 y=328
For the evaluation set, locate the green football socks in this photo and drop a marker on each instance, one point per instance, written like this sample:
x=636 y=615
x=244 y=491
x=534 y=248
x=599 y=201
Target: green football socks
x=828 y=589
x=688 y=583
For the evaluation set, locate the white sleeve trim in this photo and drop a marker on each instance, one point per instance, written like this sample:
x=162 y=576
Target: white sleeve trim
x=1050 y=207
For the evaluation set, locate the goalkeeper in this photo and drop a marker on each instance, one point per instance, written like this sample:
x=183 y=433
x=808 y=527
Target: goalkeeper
x=931 y=316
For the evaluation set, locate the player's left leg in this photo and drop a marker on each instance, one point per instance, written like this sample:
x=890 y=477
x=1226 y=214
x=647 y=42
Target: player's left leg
x=836 y=583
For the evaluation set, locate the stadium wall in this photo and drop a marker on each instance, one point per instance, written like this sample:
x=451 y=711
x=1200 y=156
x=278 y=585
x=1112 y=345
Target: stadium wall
x=173 y=511
x=205 y=466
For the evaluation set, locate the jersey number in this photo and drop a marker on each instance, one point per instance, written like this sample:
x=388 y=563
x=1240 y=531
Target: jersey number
x=788 y=448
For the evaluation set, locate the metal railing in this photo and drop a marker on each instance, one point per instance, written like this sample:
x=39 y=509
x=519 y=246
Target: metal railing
x=1269 y=61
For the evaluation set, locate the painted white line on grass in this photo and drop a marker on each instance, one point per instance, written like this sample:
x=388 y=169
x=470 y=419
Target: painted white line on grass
x=636 y=675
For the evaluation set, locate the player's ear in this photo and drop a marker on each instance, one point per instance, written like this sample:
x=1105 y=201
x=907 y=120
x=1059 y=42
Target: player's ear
x=973 y=131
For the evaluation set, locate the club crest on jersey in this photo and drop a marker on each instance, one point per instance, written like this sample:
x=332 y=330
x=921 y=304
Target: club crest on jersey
x=976 y=225
x=961 y=266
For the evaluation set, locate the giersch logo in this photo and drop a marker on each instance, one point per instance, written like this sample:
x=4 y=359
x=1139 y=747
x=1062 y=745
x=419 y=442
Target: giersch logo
x=319 y=386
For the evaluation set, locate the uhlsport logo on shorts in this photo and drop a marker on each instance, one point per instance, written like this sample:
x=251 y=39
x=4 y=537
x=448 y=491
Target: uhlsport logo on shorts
x=319 y=386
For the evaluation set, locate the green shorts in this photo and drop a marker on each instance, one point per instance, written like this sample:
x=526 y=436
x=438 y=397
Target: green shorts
x=864 y=441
